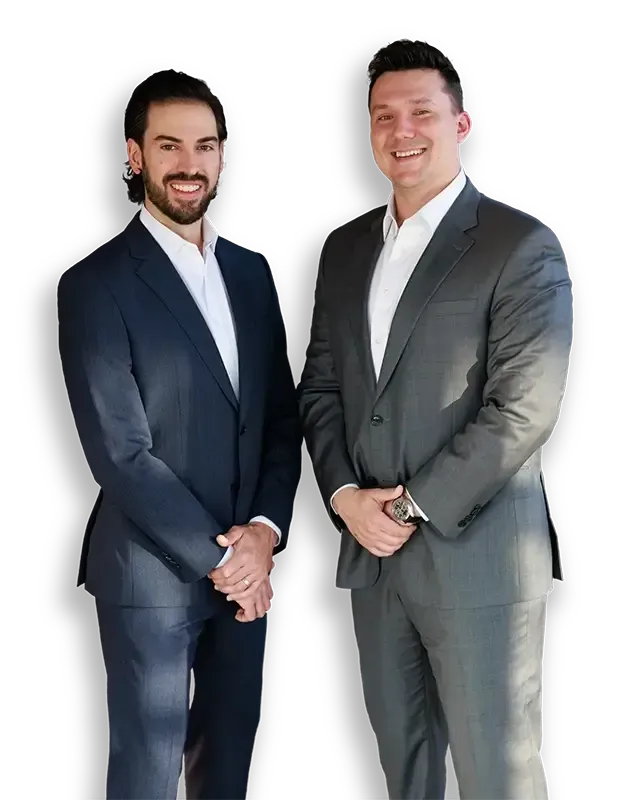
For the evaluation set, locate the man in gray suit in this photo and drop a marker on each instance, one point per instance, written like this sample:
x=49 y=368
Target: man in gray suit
x=435 y=371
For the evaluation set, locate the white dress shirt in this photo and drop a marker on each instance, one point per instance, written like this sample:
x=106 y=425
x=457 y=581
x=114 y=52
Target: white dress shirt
x=403 y=247
x=202 y=277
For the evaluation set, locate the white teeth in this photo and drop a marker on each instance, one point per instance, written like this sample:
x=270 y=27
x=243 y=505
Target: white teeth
x=406 y=153
x=184 y=188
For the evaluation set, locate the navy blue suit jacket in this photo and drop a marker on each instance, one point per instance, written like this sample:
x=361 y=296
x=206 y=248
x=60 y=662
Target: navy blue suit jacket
x=178 y=458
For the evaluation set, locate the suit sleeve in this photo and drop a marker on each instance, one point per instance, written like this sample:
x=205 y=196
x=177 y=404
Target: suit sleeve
x=114 y=432
x=529 y=341
x=321 y=405
x=282 y=439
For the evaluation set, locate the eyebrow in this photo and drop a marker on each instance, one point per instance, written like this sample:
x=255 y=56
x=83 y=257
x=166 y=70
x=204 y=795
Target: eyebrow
x=165 y=138
x=419 y=101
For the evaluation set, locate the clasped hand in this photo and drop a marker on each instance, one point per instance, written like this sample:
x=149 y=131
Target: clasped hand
x=368 y=516
x=245 y=577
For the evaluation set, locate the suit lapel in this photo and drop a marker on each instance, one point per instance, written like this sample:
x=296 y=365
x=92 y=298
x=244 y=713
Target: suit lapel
x=358 y=282
x=157 y=271
x=447 y=246
x=241 y=292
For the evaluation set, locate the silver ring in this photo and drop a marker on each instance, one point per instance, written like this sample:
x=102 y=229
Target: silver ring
x=246 y=582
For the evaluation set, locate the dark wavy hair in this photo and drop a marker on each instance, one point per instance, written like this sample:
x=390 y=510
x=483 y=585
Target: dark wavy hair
x=405 y=54
x=162 y=87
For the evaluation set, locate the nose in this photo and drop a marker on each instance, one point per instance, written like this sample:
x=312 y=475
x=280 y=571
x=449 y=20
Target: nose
x=405 y=125
x=188 y=162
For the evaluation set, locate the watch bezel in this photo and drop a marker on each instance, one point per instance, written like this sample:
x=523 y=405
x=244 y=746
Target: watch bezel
x=403 y=509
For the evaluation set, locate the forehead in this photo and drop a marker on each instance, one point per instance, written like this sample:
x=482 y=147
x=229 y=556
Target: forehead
x=181 y=120
x=424 y=86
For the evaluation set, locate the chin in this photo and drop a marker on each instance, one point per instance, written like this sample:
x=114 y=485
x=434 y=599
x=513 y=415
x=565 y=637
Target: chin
x=407 y=181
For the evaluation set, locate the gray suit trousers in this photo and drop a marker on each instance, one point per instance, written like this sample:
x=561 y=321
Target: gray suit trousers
x=470 y=678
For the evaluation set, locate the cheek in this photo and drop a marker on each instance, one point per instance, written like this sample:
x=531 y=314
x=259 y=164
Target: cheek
x=378 y=144
x=162 y=164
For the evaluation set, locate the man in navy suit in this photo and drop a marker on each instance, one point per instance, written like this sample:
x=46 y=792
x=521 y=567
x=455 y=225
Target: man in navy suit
x=174 y=355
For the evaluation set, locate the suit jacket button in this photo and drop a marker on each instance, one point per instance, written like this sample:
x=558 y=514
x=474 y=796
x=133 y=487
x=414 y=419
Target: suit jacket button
x=243 y=430
x=377 y=420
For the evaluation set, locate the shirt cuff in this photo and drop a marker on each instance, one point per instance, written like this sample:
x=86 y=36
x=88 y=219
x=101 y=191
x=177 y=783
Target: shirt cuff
x=418 y=510
x=270 y=524
x=345 y=486
x=225 y=557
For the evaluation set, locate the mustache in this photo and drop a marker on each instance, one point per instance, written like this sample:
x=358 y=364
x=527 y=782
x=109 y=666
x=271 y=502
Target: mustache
x=183 y=176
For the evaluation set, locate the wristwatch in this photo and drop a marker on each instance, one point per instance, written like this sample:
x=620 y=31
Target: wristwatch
x=403 y=510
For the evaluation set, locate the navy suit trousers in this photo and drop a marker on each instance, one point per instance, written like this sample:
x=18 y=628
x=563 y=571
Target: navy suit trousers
x=149 y=654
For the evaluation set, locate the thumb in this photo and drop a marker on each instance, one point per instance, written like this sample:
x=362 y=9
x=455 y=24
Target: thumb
x=231 y=537
x=389 y=494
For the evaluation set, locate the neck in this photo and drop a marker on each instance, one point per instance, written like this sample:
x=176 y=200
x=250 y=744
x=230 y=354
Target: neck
x=192 y=233
x=408 y=201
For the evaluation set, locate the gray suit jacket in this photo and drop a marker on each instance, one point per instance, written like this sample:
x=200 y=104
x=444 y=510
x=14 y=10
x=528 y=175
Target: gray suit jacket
x=470 y=389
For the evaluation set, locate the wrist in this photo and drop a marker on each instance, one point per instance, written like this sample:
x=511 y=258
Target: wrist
x=267 y=531
x=339 y=502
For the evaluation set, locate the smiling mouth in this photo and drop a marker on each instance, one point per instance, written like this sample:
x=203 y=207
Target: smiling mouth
x=404 y=155
x=187 y=188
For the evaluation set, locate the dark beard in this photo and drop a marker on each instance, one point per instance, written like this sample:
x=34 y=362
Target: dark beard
x=185 y=213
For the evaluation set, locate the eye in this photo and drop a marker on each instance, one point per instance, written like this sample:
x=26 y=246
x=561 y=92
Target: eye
x=383 y=117
x=205 y=147
x=168 y=147
x=421 y=112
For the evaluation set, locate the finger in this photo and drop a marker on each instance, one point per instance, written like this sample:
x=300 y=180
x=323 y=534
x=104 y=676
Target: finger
x=223 y=573
x=380 y=552
x=262 y=602
x=245 y=592
x=377 y=548
x=241 y=581
x=391 y=528
x=385 y=495
x=387 y=537
x=383 y=550
x=248 y=588
x=231 y=573
x=262 y=608
x=249 y=612
x=231 y=537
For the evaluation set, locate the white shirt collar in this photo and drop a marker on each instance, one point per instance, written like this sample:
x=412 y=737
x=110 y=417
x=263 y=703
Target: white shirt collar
x=170 y=242
x=433 y=212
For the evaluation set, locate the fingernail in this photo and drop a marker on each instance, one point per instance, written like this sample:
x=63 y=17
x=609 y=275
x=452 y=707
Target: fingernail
x=229 y=598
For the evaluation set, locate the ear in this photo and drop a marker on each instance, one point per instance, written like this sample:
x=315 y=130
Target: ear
x=221 y=157
x=134 y=155
x=464 y=126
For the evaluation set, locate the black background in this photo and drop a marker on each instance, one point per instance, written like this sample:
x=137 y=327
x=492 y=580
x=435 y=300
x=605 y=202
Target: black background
x=299 y=164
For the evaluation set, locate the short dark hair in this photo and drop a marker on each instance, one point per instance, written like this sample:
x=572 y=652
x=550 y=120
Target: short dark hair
x=162 y=87
x=405 y=54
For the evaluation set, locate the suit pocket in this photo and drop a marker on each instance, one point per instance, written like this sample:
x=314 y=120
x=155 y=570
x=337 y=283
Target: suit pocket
x=447 y=308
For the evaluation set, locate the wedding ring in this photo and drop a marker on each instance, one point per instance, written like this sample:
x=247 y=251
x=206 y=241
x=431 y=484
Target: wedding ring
x=246 y=582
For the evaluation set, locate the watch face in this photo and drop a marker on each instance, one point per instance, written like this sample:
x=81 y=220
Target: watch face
x=401 y=509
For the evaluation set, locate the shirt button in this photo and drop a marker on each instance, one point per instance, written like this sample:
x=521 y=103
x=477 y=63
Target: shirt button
x=377 y=420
